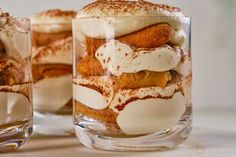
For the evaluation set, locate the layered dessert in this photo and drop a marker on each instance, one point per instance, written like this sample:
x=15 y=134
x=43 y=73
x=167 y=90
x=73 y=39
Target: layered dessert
x=50 y=26
x=52 y=61
x=133 y=69
x=15 y=81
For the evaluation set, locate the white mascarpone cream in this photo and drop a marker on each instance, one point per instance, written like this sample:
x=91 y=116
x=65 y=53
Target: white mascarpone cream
x=123 y=96
x=58 y=52
x=104 y=96
x=14 y=106
x=119 y=57
x=51 y=94
x=185 y=66
x=153 y=109
x=107 y=30
x=117 y=18
x=178 y=37
x=90 y=97
x=151 y=115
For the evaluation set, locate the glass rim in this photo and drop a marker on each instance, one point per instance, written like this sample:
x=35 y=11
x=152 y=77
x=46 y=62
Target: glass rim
x=170 y=17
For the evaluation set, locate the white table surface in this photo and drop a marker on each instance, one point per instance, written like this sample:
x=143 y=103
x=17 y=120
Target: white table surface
x=213 y=135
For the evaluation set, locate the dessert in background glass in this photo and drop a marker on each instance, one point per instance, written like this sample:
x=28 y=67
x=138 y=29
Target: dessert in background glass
x=52 y=71
x=15 y=82
x=131 y=76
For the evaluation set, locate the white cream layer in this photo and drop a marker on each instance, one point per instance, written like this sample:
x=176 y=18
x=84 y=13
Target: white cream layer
x=111 y=23
x=44 y=19
x=123 y=96
x=119 y=58
x=104 y=31
x=140 y=116
x=90 y=97
x=185 y=66
x=58 y=52
x=100 y=100
x=178 y=37
x=51 y=94
x=17 y=44
x=151 y=115
x=14 y=106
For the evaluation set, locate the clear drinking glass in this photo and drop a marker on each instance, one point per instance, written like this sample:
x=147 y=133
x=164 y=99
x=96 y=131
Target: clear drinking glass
x=15 y=82
x=132 y=90
x=52 y=75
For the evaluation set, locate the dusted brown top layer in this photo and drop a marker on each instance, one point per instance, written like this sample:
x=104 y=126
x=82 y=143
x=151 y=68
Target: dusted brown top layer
x=53 y=21
x=109 y=15
x=58 y=13
x=2 y=14
x=125 y=7
x=63 y=16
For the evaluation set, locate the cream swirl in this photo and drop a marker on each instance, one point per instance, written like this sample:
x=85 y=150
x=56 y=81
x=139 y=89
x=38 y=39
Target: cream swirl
x=59 y=52
x=153 y=114
x=119 y=57
x=97 y=99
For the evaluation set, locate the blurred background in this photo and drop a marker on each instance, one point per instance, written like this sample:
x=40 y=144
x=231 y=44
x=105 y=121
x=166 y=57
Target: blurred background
x=213 y=44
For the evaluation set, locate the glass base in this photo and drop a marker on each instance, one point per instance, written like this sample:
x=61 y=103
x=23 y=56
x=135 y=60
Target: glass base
x=13 y=135
x=52 y=124
x=163 y=140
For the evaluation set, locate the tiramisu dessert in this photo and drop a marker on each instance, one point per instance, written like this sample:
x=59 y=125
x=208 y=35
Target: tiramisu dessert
x=15 y=82
x=132 y=70
x=52 y=62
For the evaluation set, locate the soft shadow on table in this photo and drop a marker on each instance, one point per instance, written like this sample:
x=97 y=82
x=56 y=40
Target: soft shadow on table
x=200 y=141
x=45 y=143
x=210 y=138
x=85 y=152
